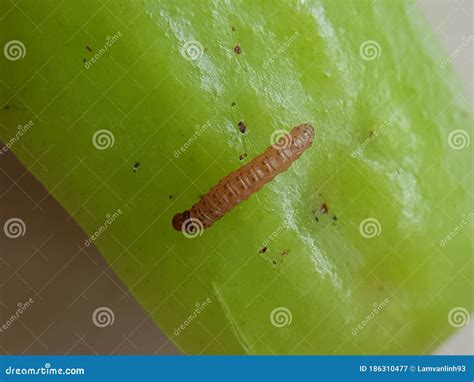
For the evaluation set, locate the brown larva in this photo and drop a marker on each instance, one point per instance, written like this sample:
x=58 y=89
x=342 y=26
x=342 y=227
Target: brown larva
x=247 y=180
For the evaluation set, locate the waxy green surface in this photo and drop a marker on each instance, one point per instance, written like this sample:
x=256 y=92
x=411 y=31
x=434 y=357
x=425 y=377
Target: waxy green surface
x=299 y=63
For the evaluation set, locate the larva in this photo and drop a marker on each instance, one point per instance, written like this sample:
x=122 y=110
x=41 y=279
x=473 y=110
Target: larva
x=247 y=180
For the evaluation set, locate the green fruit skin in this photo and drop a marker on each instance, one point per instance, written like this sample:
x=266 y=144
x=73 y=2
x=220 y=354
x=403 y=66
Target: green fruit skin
x=299 y=63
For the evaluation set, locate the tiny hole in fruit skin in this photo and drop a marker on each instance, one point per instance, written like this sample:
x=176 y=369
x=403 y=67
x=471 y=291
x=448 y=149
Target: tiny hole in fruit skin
x=242 y=127
x=324 y=208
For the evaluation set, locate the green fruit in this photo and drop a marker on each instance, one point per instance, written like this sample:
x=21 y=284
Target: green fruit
x=392 y=108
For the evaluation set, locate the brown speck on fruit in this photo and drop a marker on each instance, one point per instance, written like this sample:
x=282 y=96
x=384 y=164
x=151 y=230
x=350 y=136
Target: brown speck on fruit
x=89 y=48
x=285 y=252
x=84 y=60
x=334 y=217
x=242 y=156
x=232 y=104
x=324 y=208
x=237 y=49
x=170 y=196
x=274 y=262
x=135 y=166
x=263 y=250
x=242 y=127
x=233 y=28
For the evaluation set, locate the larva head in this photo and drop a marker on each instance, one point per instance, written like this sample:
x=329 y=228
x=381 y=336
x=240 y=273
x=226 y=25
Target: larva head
x=302 y=136
x=307 y=130
x=179 y=219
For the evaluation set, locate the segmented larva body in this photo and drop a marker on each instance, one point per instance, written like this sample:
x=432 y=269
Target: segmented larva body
x=247 y=180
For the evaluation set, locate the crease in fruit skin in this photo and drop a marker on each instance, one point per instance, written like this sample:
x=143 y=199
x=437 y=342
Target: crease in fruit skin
x=239 y=185
x=245 y=343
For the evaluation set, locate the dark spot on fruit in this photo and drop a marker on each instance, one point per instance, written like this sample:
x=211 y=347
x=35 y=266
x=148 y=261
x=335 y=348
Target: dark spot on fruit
x=324 y=209
x=371 y=133
x=237 y=49
x=84 y=61
x=274 y=262
x=232 y=104
x=242 y=127
x=8 y=106
x=334 y=217
x=89 y=48
x=233 y=28
x=170 y=196
x=242 y=156
x=285 y=252
x=135 y=166
x=263 y=250
x=316 y=217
